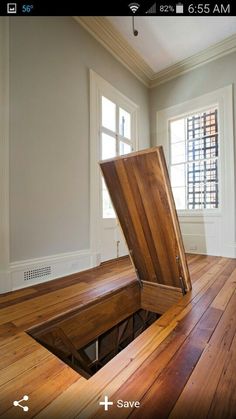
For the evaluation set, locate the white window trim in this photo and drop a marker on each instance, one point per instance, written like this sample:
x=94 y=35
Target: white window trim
x=223 y=99
x=190 y=212
x=100 y=87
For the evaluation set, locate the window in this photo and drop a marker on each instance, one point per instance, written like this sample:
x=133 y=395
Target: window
x=194 y=160
x=115 y=140
x=114 y=122
x=207 y=226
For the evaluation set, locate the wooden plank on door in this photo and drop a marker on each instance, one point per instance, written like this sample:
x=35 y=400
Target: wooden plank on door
x=140 y=190
x=158 y=298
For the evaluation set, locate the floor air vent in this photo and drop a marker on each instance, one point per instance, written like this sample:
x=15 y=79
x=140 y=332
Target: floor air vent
x=37 y=273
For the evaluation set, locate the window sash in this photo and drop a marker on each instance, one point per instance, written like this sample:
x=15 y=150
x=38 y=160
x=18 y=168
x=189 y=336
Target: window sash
x=120 y=140
x=201 y=188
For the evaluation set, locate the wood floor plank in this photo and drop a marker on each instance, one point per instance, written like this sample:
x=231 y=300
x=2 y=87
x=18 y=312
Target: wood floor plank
x=7 y=329
x=62 y=298
x=70 y=304
x=179 y=310
x=120 y=368
x=186 y=359
x=137 y=385
x=201 y=267
x=226 y=292
x=224 y=401
x=198 y=393
x=59 y=296
x=166 y=390
x=90 y=403
x=9 y=354
x=12 y=390
x=12 y=297
x=29 y=362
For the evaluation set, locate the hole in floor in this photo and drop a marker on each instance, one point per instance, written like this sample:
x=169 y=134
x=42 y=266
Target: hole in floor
x=90 y=358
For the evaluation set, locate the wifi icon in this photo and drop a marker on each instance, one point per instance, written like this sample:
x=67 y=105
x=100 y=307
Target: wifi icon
x=134 y=7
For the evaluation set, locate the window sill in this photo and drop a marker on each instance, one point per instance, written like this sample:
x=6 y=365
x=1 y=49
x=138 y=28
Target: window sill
x=196 y=213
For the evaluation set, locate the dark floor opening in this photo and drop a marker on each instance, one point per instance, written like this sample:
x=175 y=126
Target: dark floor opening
x=94 y=355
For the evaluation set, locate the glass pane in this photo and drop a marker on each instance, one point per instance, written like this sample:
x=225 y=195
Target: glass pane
x=211 y=146
x=179 y=197
x=195 y=149
x=195 y=172
x=211 y=195
x=108 y=146
x=108 y=114
x=211 y=170
x=178 y=175
x=125 y=148
x=177 y=131
x=194 y=126
x=107 y=208
x=124 y=123
x=200 y=152
x=196 y=195
x=178 y=152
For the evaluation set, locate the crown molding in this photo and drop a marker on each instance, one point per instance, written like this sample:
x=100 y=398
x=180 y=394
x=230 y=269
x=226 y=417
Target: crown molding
x=116 y=44
x=227 y=46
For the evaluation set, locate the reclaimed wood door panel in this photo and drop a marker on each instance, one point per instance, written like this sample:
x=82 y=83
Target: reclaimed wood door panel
x=140 y=190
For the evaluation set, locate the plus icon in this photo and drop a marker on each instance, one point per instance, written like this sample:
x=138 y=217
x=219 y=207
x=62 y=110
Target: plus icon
x=106 y=403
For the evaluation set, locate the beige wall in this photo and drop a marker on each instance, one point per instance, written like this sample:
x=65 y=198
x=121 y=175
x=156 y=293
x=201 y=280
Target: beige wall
x=211 y=235
x=49 y=127
x=209 y=77
x=49 y=132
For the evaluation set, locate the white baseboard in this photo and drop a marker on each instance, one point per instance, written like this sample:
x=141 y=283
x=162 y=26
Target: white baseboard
x=201 y=234
x=197 y=244
x=229 y=251
x=35 y=271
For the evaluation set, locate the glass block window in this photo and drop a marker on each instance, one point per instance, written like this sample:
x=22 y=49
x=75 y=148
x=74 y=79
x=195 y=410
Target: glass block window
x=194 y=160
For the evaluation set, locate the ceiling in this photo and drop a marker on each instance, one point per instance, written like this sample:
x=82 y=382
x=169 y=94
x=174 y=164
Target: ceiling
x=164 y=41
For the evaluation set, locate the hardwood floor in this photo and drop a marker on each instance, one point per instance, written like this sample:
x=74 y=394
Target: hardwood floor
x=182 y=366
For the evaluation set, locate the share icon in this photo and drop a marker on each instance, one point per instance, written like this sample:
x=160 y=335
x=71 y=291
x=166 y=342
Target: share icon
x=17 y=403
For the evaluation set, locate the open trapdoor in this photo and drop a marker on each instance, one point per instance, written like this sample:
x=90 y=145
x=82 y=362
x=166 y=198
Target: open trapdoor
x=87 y=337
x=140 y=190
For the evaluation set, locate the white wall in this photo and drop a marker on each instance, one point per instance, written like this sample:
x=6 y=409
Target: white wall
x=49 y=132
x=201 y=234
x=204 y=79
x=50 y=58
